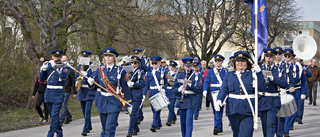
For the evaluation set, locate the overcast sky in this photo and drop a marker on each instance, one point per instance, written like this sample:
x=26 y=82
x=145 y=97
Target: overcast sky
x=310 y=10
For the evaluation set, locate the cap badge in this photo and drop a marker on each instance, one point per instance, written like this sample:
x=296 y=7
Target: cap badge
x=57 y=52
x=240 y=55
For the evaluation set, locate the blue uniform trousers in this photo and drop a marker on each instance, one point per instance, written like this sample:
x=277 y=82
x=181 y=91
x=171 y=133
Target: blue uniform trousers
x=217 y=117
x=140 y=114
x=156 y=118
x=186 y=121
x=86 y=111
x=242 y=125
x=133 y=125
x=280 y=126
x=300 y=109
x=55 y=127
x=290 y=120
x=197 y=110
x=268 y=121
x=171 y=115
x=109 y=123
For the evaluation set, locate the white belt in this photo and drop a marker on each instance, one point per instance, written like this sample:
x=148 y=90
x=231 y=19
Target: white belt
x=169 y=87
x=54 y=87
x=153 y=87
x=241 y=96
x=297 y=87
x=104 y=93
x=189 y=92
x=85 y=86
x=215 y=85
x=269 y=94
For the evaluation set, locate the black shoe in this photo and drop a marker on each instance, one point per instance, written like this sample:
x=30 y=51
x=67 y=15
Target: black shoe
x=135 y=132
x=84 y=133
x=310 y=103
x=296 y=120
x=215 y=131
x=138 y=130
x=117 y=124
x=159 y=127
x=138 y=121
x=178 y=112
x=286 y=135
x=129 y=135
x=153 y=129
x=291 y=128
x=168 y=123
x=195 y=118
x=229 y=124
x=220 y=131
x=300 y=122
x=67 y=121
x=173 y=122
x=314 y=104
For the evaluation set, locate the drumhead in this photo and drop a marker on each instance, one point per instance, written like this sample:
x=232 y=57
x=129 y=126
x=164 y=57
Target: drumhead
x=286 y=98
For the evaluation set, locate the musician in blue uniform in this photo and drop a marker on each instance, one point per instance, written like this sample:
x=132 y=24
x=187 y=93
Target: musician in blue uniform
x=155 y=82
x=136 y=84
x=85 y=95
x=288 y=56
x=199 y=78
x=306 y=74
x=239 y=86
x=188 y=93
x=111 y=77
x=169 y=93
x=214 y=79
x=56 y=74
x=287 y=70
x=269 y=100
x=144 y=65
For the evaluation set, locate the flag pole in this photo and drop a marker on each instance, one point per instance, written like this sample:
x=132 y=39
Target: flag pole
x=255 y=117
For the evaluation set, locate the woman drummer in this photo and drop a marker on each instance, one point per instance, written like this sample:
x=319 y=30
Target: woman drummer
x=239 y=106
x=156 y=82
x=108 y=105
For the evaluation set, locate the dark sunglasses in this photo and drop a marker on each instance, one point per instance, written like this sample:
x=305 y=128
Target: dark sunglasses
x=134 y=62
x=154 y=63
x=163 y=62
x=287 y=56
x=269 y=55
x=278 y=54
x=218 y=61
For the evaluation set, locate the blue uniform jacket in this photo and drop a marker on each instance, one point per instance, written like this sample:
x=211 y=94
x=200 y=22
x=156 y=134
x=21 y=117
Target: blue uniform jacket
x=231 y=85
x=145 y=64
x=150 y=82
x=54 y=78
x=190 y=100
x=139 y=83
x=110 y=104
x=212 y=79
x=85 y=93
x=273 y=102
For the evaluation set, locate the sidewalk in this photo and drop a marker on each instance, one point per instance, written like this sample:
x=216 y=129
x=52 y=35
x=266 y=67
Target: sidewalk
x=202 y=127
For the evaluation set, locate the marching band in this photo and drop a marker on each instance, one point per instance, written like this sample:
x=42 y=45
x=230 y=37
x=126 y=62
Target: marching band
x=282 y=86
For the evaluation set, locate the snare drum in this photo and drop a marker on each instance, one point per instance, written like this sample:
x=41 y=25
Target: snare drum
x=288 y=106
x=159 y=101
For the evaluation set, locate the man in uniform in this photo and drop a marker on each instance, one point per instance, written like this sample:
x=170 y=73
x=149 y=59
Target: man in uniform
x=199 y=96
x=188 y=100
x=214 y=78
x=154 y=86
x=169 y=93
x=55 y=72
x=85 y=95
x=269 y=101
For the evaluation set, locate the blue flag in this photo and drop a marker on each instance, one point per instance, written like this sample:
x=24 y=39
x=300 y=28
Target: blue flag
x=262 y=24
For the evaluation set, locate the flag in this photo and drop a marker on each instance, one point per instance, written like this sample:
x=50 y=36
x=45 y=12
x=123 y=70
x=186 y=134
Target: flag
x=262 y=24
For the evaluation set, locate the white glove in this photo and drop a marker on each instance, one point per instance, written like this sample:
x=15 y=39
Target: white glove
x=44 y=66
x=189 y=85
x=90 y=81
x=84 y=73
x=217 y=105
x=180 y=88
x=204 y=93
x=143 y=97
x=163 y=90
x=282 y=92
x=303 y=97
x=256 y=68
x=130 y=84
x=270 y=77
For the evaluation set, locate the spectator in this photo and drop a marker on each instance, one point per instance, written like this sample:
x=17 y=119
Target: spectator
x=313 y=81
x=40 y=87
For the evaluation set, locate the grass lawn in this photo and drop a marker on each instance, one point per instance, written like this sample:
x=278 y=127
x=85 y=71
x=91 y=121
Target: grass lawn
x=23 y=118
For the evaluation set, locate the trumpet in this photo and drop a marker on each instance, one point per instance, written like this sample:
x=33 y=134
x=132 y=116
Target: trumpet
x=80 y=78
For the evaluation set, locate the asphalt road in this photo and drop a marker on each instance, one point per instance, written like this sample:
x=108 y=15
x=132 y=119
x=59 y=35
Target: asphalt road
x=202 y=127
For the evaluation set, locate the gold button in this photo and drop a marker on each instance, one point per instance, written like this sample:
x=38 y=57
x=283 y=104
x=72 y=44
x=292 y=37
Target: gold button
x=239 y=93
x=50 y=81
x=240 y=89
x=240 y=86
x=267 y=86
x=51 y=76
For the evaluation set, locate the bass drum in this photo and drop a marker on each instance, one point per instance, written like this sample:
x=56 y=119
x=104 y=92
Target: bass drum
x=288 y=106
